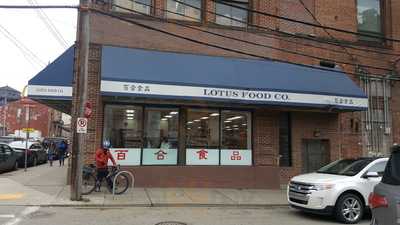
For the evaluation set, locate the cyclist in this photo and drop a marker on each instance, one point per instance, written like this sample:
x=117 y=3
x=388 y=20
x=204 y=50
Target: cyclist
x=102 y=157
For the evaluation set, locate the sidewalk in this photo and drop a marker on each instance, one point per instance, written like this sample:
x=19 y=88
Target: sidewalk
x=45 y=186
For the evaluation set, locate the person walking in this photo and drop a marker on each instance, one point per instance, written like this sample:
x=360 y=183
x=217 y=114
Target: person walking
x=51 y=151
x=62 y=149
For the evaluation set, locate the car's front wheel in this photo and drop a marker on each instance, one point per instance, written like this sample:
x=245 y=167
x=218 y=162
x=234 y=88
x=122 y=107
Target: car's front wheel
x=349 y=209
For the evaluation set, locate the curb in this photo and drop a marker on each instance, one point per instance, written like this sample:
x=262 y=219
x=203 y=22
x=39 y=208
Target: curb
x=162 y=205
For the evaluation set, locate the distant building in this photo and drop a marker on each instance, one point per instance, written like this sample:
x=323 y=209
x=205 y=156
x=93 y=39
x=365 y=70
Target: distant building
x=8 y=94
x=43 y=121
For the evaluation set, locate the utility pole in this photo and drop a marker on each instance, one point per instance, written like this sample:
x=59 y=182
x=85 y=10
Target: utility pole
x=5 y=109
x=27 y=117
x=82 y=80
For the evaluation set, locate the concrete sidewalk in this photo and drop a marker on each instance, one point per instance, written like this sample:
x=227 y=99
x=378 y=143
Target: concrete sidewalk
x=45 y=186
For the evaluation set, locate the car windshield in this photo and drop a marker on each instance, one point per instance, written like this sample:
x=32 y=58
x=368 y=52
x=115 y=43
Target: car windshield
x=346 y=167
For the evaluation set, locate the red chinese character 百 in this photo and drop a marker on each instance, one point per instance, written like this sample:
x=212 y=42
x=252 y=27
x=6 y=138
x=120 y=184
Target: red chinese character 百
x=236 y=155
x=160 y=154
x=121 y=154
x=202 y=154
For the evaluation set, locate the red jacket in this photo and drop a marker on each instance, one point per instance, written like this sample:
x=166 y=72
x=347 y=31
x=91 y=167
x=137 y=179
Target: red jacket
x=103 y=157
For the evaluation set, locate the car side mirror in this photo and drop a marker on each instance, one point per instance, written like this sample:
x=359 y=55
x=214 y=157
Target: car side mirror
x=371 y=175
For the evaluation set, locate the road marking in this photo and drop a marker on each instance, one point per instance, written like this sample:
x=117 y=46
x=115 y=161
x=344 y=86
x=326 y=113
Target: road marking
x=12 y=196
x=7 y=216
x=23 y=214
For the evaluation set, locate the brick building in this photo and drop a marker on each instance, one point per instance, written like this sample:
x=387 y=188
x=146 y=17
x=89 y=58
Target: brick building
x=186 y=96
x=43 y=120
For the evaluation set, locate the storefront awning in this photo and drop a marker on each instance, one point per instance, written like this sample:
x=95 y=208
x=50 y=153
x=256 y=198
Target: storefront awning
x=143 y=73
x=53 y=85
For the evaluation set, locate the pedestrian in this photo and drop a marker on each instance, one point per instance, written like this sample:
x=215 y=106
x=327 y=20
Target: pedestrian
x=62 y=149
x=51 y=151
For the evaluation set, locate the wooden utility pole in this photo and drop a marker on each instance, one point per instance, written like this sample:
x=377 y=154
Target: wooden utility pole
x=82 y=80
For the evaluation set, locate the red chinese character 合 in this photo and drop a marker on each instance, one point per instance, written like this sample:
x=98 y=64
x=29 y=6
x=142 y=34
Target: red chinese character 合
x=236 y=155
x=121 y=154
x=202 y=154
x=160 y=154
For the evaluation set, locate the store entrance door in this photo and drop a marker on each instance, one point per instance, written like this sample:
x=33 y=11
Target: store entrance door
x=315 y=154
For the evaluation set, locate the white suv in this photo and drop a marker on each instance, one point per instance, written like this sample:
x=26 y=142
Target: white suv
x=340 y=188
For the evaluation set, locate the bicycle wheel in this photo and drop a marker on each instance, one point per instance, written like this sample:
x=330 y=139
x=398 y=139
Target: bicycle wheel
x=121 y=184
x=88 y=183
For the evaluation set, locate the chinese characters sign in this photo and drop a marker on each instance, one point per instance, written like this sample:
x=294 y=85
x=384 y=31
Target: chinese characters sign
x=202 y=156
x=236 y=157
x=126 y=156
x=157 y=156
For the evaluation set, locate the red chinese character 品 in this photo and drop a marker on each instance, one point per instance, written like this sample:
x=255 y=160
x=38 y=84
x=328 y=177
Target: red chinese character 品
x=236 y=155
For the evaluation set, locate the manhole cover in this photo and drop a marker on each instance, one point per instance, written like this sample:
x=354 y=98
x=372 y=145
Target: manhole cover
x=171 y=223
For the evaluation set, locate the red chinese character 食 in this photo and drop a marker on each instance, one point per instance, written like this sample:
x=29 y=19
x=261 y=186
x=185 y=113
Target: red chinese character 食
x=202 y=154
x=121 y=154
x=160 y=154
x=236 y=155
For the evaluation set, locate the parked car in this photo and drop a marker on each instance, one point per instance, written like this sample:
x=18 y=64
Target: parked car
x=8 y=139
x=8 y=158
x=340 y=188
x=385 y=199
x=36 y=153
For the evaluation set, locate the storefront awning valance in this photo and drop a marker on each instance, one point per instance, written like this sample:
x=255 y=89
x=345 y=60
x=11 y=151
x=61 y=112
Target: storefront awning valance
x=155 y=74
x=53 y=85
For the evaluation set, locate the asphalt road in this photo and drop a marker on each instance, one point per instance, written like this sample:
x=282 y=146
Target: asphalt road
x=152 y=216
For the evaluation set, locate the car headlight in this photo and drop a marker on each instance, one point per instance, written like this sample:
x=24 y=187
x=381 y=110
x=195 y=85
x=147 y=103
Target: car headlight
x=321 y=187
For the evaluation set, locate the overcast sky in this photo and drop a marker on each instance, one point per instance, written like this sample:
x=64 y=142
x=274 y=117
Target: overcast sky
x=16 y=66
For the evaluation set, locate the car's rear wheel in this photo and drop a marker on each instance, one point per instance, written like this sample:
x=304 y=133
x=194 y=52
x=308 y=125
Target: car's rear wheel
x=349 y=209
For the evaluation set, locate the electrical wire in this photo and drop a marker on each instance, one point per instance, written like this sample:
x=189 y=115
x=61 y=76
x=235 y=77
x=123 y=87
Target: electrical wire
x=224 y=2
x=49 y=25
x=148 y=27
x=233 y=38
x=26 y=51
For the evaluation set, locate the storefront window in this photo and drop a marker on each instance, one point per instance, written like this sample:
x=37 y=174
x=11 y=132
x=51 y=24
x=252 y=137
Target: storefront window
x=161 y=136
x=235 y=138
x=132 y=6
x=285 y=149
x=123 y=126
x=187 y=11
x=202 y=139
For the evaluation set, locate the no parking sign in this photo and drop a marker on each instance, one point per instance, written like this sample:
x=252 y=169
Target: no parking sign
x=81 y=125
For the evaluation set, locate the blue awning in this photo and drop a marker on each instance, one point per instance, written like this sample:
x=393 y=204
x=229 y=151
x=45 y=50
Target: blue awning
x=143 y=73
x=55 y=80
x=53 y=85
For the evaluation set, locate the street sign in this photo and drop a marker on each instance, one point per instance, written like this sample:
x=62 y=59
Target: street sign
x=81 y=125
x=28 y=129
x=88 y=109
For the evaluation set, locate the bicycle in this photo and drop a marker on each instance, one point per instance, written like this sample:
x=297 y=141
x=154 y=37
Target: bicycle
x=89 y=180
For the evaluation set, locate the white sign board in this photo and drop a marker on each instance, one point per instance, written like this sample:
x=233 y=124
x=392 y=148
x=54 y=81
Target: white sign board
x=158 y=156
x=81 y=125
x=202 y=156
x=236 y=157
x=254 y=96
x=126 y=156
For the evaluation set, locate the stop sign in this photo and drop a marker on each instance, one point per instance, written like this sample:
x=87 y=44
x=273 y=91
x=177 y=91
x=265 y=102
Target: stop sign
x=88 y=109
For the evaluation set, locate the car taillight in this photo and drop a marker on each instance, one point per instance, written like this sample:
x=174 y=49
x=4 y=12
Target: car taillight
x=376 y=201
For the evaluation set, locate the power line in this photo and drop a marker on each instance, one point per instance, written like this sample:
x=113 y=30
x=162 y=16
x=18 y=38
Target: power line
x=148 y=27
x=236 y=39
x=224 y=2
x=49 y=25
x=39 y=7
x=334 y=42
x=22 y=47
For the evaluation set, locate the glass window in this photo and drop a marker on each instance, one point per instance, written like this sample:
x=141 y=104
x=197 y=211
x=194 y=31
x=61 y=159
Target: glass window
x=123 y=126
x=202 y=128
x=285 y=151
x=236 y=130
x=127 y=6
x=187 y=10
x=369 y=18
x=232 y=16
x=346 y=167
x=378 y=168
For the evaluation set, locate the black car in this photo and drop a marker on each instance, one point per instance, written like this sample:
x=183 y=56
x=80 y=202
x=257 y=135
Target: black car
x=8 y=158
x=36 y=154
